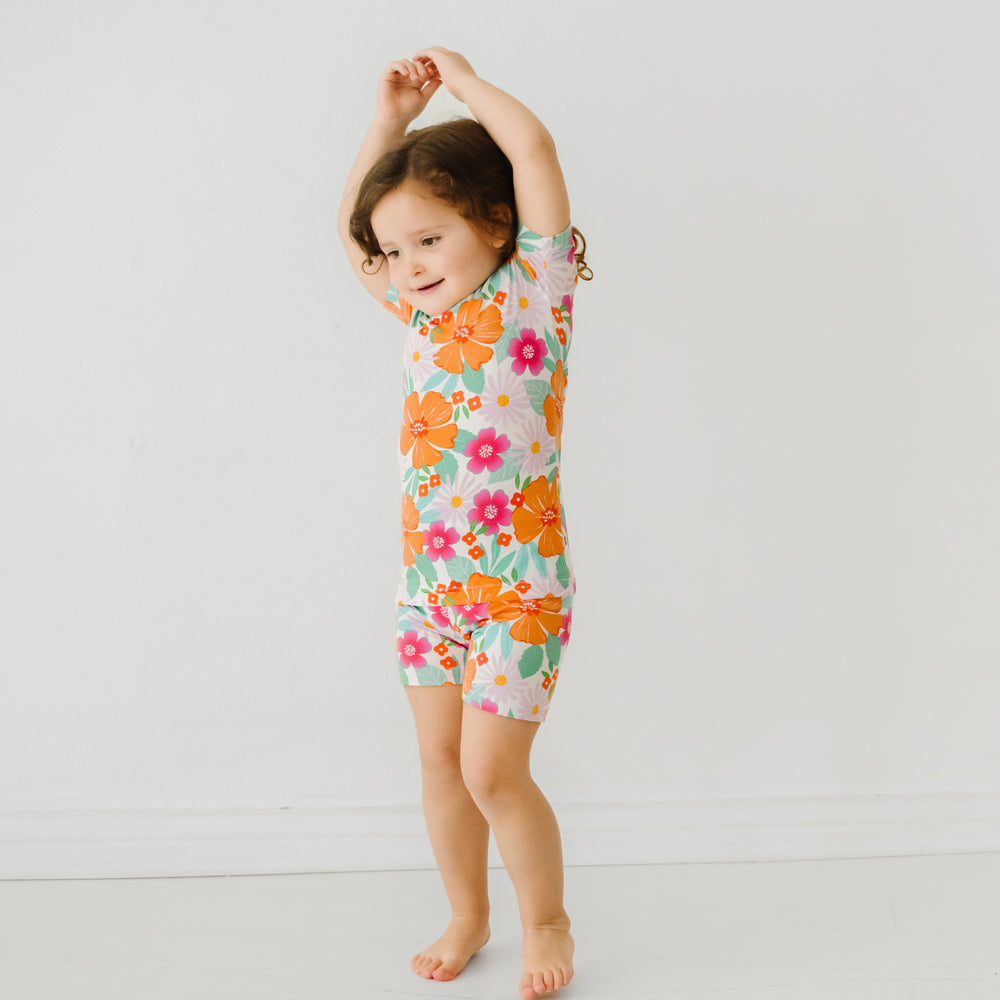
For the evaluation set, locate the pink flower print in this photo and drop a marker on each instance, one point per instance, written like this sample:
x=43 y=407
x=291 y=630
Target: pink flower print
x=491 y=510
x=438 y=541
x=484 y=451
x=411 y=647
x=527 y=352
x=472 y=613
x=567 y=625
x=439 y=617
x=489 y=706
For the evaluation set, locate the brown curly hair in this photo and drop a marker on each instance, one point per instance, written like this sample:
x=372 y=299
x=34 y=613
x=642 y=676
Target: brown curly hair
x=465 y=168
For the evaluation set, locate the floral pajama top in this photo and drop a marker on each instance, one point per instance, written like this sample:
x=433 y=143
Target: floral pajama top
x=485 y=383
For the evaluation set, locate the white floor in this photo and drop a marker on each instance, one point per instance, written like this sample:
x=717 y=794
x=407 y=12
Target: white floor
x=882 y=929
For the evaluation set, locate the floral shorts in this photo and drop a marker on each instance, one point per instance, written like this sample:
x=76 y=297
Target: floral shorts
x=449 y=645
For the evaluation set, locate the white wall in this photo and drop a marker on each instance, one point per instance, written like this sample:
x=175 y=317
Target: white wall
x=780 y=459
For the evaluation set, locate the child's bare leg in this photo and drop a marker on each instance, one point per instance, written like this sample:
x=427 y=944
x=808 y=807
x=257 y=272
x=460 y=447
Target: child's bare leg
x=458 y=832
x=495 y=763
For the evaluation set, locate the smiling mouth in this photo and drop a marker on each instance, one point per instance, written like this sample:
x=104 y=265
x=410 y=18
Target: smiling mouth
x=431 y=286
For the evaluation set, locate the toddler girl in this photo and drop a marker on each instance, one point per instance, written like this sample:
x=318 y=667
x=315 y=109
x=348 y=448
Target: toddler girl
x=463 y=231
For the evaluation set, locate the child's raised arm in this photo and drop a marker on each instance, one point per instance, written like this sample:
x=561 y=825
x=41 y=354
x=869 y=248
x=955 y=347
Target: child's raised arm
x=539 y=186
x=403 y=91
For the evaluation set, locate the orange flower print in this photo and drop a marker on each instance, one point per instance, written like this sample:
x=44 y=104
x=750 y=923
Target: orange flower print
x=534 y=618
x=413 y=541
x=403 y=310
x=480 y=590
x=465 y=337
x=471 y=666
x=528 y=269
x=540 y=517
x=554 y=404
x=426 y=427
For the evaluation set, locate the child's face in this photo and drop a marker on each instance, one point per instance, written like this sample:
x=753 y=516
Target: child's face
x=436 y=257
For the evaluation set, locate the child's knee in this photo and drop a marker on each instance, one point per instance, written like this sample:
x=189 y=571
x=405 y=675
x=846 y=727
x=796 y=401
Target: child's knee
x=489 y=777
x=441 y=759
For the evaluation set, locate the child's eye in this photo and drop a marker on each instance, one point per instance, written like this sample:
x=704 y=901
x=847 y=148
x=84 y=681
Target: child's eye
x=429 y=241
x=391 y=254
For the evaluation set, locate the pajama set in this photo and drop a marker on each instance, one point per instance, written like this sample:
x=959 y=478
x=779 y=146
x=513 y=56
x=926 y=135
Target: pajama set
x=487 y=583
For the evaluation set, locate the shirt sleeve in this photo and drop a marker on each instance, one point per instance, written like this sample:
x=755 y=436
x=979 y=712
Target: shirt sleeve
x=552 y=259
x=399 y=307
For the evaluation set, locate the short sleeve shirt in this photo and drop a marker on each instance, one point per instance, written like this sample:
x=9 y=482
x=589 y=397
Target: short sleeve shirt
x=484 y=386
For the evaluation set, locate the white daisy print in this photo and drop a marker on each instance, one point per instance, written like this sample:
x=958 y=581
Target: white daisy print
x=504 y=398
x=453 y=499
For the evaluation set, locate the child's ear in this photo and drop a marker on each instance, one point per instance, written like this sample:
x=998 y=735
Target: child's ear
x=501 y=221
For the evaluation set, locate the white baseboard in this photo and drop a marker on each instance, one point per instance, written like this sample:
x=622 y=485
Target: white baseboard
x=115 y=842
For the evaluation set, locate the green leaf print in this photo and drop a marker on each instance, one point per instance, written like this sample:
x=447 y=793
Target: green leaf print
x=539 y=560
x=460 y=568
x=462 y=439
x=410 y=478
x=435 y=380
x=412 y=582
x=474 y=381
x=530 y=662
x=537 y=391
x=553 y=649
x=522 y=560
x=506 y=644
x=446 y=465
x=425 y=568
x=451 y=383
x=555 y=349
x=501 y=567
x=431 y=676
x=498 y=475
x=562 y=571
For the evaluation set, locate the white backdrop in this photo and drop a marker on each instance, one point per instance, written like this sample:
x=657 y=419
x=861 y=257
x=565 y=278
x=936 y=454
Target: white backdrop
x=780 y=458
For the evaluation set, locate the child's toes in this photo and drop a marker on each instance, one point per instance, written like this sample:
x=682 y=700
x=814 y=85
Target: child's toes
x=424 y=965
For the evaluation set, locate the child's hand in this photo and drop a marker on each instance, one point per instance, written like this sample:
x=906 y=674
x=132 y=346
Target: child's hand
x=449 y=67
x=404 y=89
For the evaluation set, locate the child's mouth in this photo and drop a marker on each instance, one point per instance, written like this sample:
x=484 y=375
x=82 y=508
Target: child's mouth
x=431 y=286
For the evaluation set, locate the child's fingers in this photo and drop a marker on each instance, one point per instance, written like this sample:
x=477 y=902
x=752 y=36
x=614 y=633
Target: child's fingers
x=427 y=63
x=428 y=53
x=407 y=68
x=429 y=88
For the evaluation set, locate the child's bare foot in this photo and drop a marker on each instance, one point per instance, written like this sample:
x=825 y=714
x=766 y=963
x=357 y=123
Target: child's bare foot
x=450 y=954
x=547 y=957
